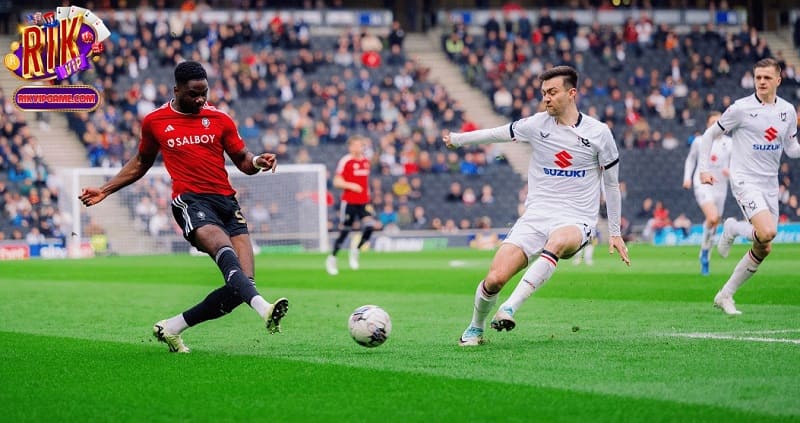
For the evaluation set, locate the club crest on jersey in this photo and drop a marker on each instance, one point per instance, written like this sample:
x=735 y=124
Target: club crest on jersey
x=201 y=215
x=783 y=117
x=205 y=122
x=544 y=134
x=584 y=141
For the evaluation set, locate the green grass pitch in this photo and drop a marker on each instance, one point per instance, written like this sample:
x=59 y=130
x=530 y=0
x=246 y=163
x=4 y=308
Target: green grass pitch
x=600 y=343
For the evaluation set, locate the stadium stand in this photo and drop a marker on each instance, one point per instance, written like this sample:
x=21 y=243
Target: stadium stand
x=297 y=94
x=653 y=85
x=300 y=95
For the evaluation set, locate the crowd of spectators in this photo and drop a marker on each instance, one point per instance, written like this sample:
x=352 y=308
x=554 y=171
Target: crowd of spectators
x=292 y=93
x=651 y=84
x=301 y=96
x=28 y=203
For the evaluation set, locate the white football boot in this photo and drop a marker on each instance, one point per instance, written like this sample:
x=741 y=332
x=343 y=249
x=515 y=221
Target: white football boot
x=727 y=304
x=472 y=337
x=173 y=341
x=354 y=252
x=275 y=313
x=330 y=265
x=504 y=319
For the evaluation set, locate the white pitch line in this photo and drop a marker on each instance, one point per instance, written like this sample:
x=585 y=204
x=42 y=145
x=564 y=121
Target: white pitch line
x=767 y=332
x=735 y=338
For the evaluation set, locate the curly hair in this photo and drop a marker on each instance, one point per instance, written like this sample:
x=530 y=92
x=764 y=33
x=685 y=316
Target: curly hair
x=189 y=71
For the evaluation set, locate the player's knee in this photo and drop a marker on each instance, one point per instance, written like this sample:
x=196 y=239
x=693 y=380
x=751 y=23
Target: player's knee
x=766 y=236
x=495 y=280
x=712 y=222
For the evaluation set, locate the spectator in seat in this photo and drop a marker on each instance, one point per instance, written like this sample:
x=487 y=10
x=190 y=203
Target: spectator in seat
x=455 y=194
x=682 y=224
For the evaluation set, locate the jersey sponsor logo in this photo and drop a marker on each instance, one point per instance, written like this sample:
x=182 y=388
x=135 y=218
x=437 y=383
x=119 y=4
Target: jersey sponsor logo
x=360 y=172
x=562 y=159
x=191 y=139
x=766 y=147
x=770 y=134
x=564 y=173
x=168 y=128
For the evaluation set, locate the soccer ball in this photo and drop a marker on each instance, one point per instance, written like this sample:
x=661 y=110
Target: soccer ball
x=369 y=326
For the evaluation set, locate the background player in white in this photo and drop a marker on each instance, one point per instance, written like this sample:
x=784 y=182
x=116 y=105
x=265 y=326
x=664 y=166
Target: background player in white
x=762 y=126
x=710 y=198
x=570 y=152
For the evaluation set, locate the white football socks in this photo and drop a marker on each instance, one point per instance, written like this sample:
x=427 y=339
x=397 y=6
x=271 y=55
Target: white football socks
x=484 y=303
x=176 y=325
x=260 y=305
x=536 y=275
x=588 y=254
x=743 y=271
x=708 y=236
x=742 y=228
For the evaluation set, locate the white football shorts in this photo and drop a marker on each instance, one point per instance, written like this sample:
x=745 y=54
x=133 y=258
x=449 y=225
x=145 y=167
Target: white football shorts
x=531 y=235
x=752 y=199
x=716 y=194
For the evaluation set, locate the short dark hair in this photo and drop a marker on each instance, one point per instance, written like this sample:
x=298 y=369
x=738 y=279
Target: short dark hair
x=768 y=63
x=189 y=71
x=568 y=72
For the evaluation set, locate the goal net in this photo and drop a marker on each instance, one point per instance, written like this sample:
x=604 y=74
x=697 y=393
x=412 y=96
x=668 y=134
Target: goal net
x=285 y=211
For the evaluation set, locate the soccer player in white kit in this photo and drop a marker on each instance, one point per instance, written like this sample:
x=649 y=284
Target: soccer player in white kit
x=571 y=151
x=710 y=198
x=762 y=126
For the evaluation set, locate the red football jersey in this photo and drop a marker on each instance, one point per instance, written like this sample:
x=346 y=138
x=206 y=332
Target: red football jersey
x=192 y=147
x=357 y=171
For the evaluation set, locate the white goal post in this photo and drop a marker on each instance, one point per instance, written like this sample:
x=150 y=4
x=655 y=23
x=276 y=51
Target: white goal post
x=286 y=211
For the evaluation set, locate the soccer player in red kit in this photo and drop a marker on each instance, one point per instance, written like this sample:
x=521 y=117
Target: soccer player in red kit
x=352 y=176
x=193 y=138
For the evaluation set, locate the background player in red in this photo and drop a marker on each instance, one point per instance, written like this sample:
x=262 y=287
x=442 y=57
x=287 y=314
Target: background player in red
x=352 y=176
x=193 y=138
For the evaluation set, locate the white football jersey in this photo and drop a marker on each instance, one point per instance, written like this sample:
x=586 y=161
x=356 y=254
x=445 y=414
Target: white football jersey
x=564 y=175
x=718 y=161
x=759 y=132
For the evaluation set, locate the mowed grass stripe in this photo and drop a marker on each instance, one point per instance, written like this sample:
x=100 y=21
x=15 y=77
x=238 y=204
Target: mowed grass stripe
x=65 y=379
x=619 y=347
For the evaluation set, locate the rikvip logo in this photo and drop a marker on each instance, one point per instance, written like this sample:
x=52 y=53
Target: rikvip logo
x=55 y=46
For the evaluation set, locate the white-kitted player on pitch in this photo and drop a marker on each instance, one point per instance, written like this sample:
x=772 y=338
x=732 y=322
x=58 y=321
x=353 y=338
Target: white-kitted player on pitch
x=571 y=151
x=762 y=126
x=710 y=198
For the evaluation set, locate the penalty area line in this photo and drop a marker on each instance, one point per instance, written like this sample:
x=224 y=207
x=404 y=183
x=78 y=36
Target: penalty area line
x=725 y=337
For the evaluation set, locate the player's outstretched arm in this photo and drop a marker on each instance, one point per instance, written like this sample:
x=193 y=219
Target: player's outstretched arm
x=136 y=167
x=250 y=164
x=503 y=133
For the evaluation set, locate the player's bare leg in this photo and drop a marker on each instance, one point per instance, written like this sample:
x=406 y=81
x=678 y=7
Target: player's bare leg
x=508 y=260
x=563 y=242
x=712 y=218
